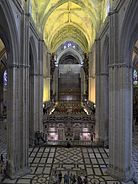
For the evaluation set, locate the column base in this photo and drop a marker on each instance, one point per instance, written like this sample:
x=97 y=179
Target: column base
x=31 y=142
x=19 y=173
x=99 y=142
x=122 y=175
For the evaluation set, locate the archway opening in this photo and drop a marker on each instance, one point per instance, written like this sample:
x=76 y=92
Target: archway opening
x=3 y=80
x=3 y=103
x=135 y=88
x=5 y=86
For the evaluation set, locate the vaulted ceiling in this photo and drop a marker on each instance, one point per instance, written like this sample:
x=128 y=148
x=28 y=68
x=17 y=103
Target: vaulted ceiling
x=69 y=20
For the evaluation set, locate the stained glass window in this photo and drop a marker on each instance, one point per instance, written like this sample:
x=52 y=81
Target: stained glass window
x=69 y=44
x=135 y=77
x=5 y=78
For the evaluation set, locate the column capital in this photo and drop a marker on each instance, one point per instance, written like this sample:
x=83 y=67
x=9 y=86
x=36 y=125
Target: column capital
x=36 y=74
x=14 y=65
x=92 y=76
x=122 y=174
x=112 y=12
x=119 y=65
x=46 y=77
x=102 y=74
x=24 y=66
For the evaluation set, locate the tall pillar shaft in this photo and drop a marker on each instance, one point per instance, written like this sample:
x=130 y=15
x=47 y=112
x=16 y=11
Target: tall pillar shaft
x=102 y=94
x=40 y=87
x=18 y=107
x=98 y=98
x=120 y=108
x=104 y=107
x=98 y=92
x=13 y=125
x=92 y=89
x=46 y=89
x=46 y=75
x=120 y=118
x=31 y=110
x=40 y=103
x=18 y=126
x=33 y=107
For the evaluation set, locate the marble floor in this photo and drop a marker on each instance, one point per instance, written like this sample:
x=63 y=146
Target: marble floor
x=44 y=161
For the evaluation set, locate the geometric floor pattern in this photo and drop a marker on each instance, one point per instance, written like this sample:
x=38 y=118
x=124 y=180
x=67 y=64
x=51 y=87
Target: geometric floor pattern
x=79 y=161
x=135 y=155
x=44 y=161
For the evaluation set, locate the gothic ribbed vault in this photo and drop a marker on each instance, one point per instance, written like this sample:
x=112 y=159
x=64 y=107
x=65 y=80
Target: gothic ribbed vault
x=75 y=20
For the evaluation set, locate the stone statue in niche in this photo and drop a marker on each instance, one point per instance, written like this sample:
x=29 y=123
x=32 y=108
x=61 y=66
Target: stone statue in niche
x=52 y=69
x=52 y=64
x=86 y=70
x=86 y=64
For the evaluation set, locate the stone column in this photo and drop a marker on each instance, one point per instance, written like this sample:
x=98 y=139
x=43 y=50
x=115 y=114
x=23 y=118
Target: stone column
x=33 y=106
x=31 y=110
x=24 y=136
x=46 y=75
x=120 y=118
x=40 y=86
x=120 y=109
x=92 y=69
x=102 y=97
x=46 y=88
x=18 y=106
x=18 y=121
x=24 y=96
x=98 y=92
x=92 y=89
x=13 y=119
x=104 y=108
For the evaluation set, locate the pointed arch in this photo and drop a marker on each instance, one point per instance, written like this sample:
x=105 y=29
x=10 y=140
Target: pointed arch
x=74 y=52
x=105 y=54
x=8 y=32
x=129 y=32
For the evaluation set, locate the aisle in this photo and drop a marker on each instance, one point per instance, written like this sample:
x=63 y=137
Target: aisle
x=79 y=161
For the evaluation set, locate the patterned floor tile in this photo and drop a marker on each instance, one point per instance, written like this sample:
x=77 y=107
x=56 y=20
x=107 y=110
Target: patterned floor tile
x=79 y=161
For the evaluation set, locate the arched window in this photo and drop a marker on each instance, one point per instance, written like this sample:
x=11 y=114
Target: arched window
x=69 y=44
x=5 y=78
